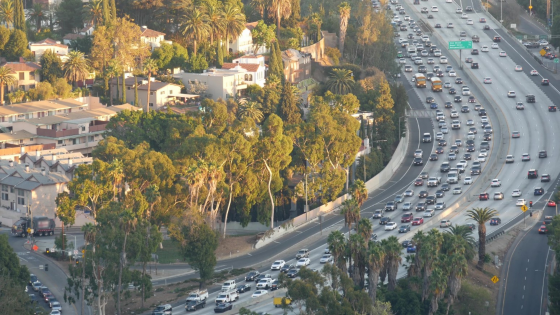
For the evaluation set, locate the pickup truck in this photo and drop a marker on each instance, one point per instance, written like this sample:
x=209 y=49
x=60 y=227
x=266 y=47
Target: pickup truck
x=434 y=181
x=195 y=305
x=264 y=283
x=200 y=295
x=227 y=297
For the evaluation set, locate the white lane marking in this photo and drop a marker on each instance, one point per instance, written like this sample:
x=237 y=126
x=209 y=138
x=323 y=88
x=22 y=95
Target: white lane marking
x=544 y=275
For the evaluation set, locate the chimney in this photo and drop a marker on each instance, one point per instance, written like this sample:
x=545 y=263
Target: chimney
x=44 y=172
x=21 y=60
x=27 y=168
x=70 y=162
x=11 y=163
x=54 y=158
x=37 y=153
x=22 y=150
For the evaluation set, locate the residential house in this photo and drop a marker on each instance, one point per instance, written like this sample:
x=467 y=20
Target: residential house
x=160 y=92
x=254 y=67
x=297 y=65
x=86 y=31
x=74 y=124
x=26 y=73
x=153 y=38
x=243 y=44
x=40 y=47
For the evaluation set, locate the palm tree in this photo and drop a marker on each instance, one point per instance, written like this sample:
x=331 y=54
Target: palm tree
x=359 y=192
x=250 y=109
x=6 y=79
x=341 y=81
x=7 y=12
x=112 y=70
x=455 y=265
x=375 y=257
x=464 y=232
x=481 y=216
x=337 y=247
x=344 y=10
x=215 y=20
x=438 y=285
x=38 y=15
x=365 y=228
x=76 y=67
x=279 y=9
x=259 y=6
x=94 y=11
x=427 y=258
x=234 y=22
x=195 y=26
x=150 y=67
x=351 y=212
x=393 y=259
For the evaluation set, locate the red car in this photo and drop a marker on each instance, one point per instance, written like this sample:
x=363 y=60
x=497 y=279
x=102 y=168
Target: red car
x=419 y=182
x=407 y=217
x=417 y=221
x=543 y=229
x=551 y=203
x=483 y=196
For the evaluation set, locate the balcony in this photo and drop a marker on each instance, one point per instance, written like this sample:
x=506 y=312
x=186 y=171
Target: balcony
x=97 y=128
x=57 y=134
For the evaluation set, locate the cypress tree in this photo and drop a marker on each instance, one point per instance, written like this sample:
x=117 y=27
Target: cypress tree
x=280 y=63
x=273 y=63
x=118 y=87
x=136 y=91
x=288 y=109
x=123 y=89
x=19 y=16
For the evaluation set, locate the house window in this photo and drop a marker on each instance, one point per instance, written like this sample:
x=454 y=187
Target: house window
x=151 y=104
x=30 y=139
x=21 y=201
x=90 y=138
x=152 y=93
x=22 y=75
x=5 y=188
x=60 y=141
x=12 y=190
x=170 y=91
x=128 y=88
x=75 y=141
x=83 y=128
x=4 y=196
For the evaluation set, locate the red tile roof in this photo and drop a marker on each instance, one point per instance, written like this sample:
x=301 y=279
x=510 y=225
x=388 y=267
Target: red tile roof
x=21 y=66
x=146 y=32
x=247 y=66
x=48 y=42
x=251 y=25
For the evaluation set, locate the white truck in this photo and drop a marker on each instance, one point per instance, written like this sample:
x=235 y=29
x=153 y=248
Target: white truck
x=227 y=297
x=434 y=181
x=228 y=286
x=199 y=295
x=264 y=284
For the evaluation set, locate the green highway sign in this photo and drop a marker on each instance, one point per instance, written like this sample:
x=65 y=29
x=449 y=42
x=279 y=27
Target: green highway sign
x=460 y=45
x=555 y=60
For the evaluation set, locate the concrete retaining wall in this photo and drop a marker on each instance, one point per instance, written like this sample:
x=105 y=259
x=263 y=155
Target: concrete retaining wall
x=385 y=175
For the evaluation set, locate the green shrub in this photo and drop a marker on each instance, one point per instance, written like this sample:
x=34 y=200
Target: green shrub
x=334 y=54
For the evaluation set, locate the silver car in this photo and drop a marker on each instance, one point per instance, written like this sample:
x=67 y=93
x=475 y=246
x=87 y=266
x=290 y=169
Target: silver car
x=407 y=206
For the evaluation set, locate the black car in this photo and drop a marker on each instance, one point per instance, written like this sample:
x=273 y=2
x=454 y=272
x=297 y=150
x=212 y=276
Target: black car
x=430 y=99
x=495 y=221
x=474 y=52
x=195 y=305
x=465 y=109
x=482 y=112
x=448 y=105
x=439 y=150
x=470 y=148
x=421 y=206
x=442 y=143
x=418 y=161
x=287 y=268
x=251 y=276
x=474 y=65
x=440 y=194
x=243 y=288
x=423 y=194
x=458 y=81
x=32 y=279
x=545 y=82
x=406 y=243
x=404 y=228
x=475 y=170
x=292 y=273
x=384 y=220
x=487 y=137
x=444 y=167
x=467 y=156
x=223 y=307
x=430 y=200
x=438 y=25
x=530 y=98
x=471 y=226
x=458 y=99
x=552 y=108
x=274 y=285
x=452 y=91
x=445 y=187
x=542 y=154
x=486 y=27
x=433 y=157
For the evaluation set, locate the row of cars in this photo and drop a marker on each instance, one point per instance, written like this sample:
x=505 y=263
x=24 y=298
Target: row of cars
x=42 y=293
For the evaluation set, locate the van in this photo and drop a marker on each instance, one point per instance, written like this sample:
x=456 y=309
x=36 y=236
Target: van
x=404 y=43
x=228 y=285
x=411 y=49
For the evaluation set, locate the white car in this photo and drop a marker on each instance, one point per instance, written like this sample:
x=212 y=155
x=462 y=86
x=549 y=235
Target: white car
x=435 y=9
x=442 y=59
x=481 y=158
x=484 y=48
x=390 y=226
x=402 y=61
x=484 y=152
x=439 y=136
x=459 y=10
x=503 y=54
x=534 y=72
x=518 y=68
x=55 y=312
x=470 y=22
x=327 y=258
x=495 y=46
x=277 y=265
x=516 y=193
x=520 y=202
x=448 y=1
x=452 y=73
x=457 y=190
x=259 y=293
x=467 y=181
x=487 y=80
x=449 y=25
x=464 y=16
x=510 y=159
x=303 y=262
x=496 y=183
x=428 y=213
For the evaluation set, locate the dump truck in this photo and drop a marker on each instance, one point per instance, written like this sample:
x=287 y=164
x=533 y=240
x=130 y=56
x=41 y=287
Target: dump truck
x=278 y=301
x=420 y=80
x=41 y=226
x=436 y=84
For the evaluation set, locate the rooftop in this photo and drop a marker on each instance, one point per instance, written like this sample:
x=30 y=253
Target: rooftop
x=39 y=106
x=48 y=42
x=247 y=66
x=146 y=32
x=21 y=66
x=80 y=116
x=19 y=177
